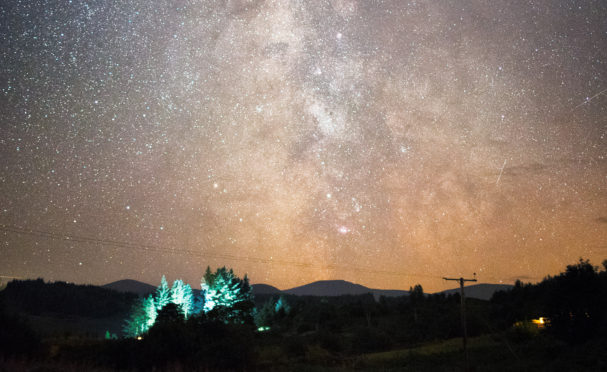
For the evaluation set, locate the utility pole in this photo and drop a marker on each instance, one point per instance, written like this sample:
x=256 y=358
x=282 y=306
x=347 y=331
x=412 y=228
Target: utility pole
x=463 y=313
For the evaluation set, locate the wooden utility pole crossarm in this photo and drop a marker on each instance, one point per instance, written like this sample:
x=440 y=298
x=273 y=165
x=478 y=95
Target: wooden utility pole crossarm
x=463 y=312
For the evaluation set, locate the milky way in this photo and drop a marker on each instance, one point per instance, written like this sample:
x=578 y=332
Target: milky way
x=387 y=143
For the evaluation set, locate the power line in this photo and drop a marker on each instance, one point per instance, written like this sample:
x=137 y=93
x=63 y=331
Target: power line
x=461 y=281
x=10 y=277
x=226 y=256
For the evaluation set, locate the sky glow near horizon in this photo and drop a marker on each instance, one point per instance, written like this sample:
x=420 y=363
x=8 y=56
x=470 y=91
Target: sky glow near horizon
x=303 y=140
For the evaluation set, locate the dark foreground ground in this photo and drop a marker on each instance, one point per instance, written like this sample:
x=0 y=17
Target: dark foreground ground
x=499 y=352
x=559 y=324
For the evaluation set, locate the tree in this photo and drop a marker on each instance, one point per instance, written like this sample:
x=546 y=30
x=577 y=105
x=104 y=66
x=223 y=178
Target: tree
x=264 y=317
x=282 y=307
x=272 y=312
x=416 y=297
x=416 y=293
x=575 y=301
x=228 y=295
x=149 y=307
x=181 y=295
x=132 y=325
x=163 y=294
x=171 y=313
x=142 y=317
x=225 y=298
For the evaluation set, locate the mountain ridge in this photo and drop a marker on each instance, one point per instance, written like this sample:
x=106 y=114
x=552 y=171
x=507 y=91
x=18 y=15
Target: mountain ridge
x=333 y=288
x=481 y=291
x=130 y=285
x=323 y=288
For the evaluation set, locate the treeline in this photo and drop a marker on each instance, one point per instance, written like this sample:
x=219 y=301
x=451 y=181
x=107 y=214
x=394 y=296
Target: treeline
x=223 y=330
x=175 y=328
x=199 y=343
x=351 y=325
x=574 y=303
x=38 y=298
x=222 y=293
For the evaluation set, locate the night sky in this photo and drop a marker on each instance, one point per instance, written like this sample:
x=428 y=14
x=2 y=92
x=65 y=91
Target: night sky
x=387 y=143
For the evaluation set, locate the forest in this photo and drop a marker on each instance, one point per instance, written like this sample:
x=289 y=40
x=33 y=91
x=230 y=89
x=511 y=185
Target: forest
x=559 y=323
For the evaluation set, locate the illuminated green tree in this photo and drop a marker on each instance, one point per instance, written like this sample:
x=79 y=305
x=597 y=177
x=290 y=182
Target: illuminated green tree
x=149 y=307
x=271 y=313
x=136 y=323
x=142 y=317
x=182 y=296
x=163 y=294
x=281 y=306
x=227 y=296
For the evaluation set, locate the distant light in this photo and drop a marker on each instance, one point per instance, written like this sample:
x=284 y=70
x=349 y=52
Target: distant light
x=541 y=322
x=139 y=338
x=538 y=321
x=263 y=329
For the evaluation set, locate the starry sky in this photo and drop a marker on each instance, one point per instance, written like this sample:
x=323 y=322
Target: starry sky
x=387 y=143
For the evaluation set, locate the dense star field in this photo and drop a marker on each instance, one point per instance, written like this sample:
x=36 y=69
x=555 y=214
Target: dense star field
x=386 y=143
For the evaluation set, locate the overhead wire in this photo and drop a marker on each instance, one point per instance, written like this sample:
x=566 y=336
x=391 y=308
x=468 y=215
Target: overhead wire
x=190 y=252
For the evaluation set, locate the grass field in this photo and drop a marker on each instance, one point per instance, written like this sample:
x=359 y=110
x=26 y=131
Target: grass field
x=499 y=352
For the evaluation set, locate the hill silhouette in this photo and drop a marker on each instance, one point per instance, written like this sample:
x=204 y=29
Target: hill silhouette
x=259 y=289
x=132 y=286
x=329 y=288
x=340 y=288
x=482 y=291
